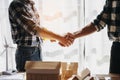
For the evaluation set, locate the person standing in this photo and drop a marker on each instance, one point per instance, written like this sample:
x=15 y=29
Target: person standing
x=110 y=17
x=28 y=34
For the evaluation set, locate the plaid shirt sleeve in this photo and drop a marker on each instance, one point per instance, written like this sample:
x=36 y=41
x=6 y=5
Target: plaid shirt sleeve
x=24 y=18
x=103 y=18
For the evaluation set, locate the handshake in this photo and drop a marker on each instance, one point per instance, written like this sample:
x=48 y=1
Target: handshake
x=66 y=40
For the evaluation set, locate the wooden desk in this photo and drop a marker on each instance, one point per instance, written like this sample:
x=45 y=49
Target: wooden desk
x=21 y=76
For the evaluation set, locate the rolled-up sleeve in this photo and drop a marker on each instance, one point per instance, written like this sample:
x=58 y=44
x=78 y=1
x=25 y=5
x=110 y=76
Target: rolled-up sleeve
x=103 y=18
x=25 y=19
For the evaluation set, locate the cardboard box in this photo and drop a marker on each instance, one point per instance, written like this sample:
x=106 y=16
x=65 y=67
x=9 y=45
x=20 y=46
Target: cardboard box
x=37 y=70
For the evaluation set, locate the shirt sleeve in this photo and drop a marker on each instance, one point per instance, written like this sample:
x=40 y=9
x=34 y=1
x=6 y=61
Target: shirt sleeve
x=24 y=18
x=103 y=18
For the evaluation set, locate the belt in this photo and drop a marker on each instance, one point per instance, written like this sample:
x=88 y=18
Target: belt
x=26 y=46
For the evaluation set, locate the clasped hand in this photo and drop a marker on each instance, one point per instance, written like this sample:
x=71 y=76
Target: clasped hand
x=67 y=40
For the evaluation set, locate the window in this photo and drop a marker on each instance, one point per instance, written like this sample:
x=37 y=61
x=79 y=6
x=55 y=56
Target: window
x=60 y=16
x=97 y=45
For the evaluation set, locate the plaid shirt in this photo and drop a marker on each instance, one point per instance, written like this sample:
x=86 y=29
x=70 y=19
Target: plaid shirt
x=110 y=16
x=23 y=18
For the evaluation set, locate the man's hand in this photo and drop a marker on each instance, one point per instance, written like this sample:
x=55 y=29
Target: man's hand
x=67 y=40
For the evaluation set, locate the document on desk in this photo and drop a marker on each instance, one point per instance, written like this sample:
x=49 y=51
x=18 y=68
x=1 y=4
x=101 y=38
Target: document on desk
x=17 y=76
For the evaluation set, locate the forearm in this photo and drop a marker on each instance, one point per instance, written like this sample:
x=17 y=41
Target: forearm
x=89 y=29
x=44 y=33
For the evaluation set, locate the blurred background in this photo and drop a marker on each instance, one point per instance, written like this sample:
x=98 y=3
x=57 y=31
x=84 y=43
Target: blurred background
x=62 y=16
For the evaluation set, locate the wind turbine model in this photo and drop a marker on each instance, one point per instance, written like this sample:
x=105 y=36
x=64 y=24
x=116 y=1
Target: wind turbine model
x=7 y=72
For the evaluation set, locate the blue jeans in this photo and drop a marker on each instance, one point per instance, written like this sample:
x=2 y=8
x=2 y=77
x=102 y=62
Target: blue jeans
x=24 y=54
